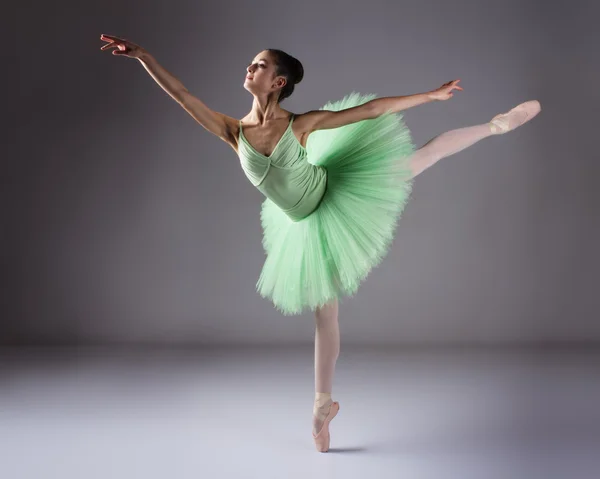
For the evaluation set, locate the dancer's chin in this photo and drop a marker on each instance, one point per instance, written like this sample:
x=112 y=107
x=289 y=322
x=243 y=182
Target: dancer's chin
x=249 y=88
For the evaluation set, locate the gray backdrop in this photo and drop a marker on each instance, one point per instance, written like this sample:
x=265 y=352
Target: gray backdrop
x=122 y=219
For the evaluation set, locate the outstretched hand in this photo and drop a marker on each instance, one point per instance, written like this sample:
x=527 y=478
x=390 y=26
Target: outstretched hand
x=124 y=47
x=445 y=91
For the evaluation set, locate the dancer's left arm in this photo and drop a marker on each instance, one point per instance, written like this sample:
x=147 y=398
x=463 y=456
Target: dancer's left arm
x=327 y=119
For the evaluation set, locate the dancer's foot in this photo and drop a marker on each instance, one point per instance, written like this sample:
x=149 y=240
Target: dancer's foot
x=322 y=437
x=505 y=122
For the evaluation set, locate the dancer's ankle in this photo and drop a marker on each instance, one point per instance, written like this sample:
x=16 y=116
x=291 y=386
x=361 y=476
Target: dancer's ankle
x=322 y=403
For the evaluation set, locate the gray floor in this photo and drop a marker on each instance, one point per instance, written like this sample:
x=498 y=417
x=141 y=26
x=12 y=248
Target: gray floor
x=246 y=413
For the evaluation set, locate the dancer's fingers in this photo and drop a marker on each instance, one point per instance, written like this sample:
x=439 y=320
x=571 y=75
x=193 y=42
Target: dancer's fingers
x=111 y=37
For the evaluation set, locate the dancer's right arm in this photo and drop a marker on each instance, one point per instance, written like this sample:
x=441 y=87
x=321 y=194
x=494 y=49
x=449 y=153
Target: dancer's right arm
x=213 y=121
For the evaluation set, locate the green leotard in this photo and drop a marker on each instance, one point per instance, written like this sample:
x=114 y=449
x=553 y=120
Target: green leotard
x=285 y=177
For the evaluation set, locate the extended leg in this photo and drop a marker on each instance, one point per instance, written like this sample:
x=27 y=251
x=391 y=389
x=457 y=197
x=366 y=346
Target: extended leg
x=457 y=140
x=447 y=144
x=327 y=350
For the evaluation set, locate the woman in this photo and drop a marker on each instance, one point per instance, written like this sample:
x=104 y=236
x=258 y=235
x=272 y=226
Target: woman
x=332 y=199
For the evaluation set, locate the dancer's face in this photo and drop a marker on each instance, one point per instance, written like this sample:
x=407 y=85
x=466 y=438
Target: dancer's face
x=260 y=75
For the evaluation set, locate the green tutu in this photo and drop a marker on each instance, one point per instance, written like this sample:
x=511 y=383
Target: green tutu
x=328 y=254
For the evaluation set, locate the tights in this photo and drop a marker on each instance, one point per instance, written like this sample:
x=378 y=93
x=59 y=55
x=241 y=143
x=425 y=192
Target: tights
x=327 y=350
x=447 y=144
x=327 y=332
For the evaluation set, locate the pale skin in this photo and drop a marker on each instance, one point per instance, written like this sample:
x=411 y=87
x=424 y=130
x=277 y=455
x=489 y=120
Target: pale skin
x=264 y=125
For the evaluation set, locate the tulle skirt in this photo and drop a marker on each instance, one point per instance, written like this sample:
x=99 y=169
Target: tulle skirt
x=329 y=253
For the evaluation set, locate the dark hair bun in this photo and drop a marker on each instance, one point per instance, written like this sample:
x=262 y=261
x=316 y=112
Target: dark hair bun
x=298 y=73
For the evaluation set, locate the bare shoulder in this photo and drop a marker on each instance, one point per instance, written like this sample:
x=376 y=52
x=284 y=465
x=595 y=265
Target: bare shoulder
x=327 y=119
x=305 y=123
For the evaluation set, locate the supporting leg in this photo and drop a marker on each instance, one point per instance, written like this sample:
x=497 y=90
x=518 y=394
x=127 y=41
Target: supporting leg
x=327 y=350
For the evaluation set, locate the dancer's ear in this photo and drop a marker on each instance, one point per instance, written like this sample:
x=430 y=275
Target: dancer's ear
x=280 y=82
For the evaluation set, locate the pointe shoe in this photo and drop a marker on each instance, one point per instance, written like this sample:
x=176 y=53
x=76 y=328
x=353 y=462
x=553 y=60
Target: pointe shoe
x=322 y=438
x=505 y=122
